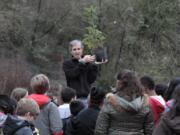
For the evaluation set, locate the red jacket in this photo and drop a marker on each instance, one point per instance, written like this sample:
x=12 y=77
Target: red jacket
x=157 y=105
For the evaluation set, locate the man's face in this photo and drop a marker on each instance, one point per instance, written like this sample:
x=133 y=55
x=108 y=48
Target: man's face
x=76 y=51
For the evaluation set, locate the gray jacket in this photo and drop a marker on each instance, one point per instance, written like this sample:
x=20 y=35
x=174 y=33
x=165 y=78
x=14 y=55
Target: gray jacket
x=121 y=117
x=48 y=121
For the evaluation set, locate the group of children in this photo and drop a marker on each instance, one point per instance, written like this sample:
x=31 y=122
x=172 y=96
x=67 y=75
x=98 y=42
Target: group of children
x=39 y=114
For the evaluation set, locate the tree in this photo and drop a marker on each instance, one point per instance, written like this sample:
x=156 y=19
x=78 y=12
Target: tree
x=93 y=38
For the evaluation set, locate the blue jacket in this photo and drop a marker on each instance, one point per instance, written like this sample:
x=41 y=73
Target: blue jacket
x=15 y=126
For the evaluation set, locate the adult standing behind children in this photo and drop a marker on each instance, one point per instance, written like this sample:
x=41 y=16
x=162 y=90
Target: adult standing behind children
x=80 y=71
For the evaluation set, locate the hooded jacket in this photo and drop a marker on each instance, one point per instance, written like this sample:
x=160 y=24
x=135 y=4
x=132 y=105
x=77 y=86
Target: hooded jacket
x=168 y=126
x=85 y=122
x=48 y=121
x=14 y=126
x=121 y=117
x=157 y=105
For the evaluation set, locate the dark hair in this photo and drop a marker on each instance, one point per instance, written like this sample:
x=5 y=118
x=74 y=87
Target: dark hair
x=76 y=106
x=97 y=95
x=147 y=82
x=67 y=94
x=175 y=109
x=128 y=85
x=7 y=105
x=173 y=83
x=161 y=89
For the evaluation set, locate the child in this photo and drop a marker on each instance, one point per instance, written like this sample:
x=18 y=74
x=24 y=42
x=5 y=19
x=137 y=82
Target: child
x=75 y=107
x=67 y=95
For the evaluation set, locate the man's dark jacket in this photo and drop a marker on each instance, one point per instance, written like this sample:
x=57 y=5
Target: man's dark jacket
x=80 y=76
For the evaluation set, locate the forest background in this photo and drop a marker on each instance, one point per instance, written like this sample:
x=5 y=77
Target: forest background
x=142 y=35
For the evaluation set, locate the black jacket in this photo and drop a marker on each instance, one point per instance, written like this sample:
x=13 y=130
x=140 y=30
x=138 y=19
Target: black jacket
x=80 y=76
x=67 y=125
x=15 y=126
x=86 y=121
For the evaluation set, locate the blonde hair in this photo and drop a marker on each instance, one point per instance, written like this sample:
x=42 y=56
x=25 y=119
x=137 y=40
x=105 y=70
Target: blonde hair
x=40 y=83
x=18 y=93
x=26 y=105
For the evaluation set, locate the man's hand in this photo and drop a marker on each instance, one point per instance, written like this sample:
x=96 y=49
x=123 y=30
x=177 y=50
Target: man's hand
x=102 y=62
x=88 y=59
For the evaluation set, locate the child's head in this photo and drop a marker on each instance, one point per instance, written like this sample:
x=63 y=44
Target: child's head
x=96 y=96
x=27 y=108
x=148 y=83
x=7 y=105
x=161 y=89
x=54 y=93
x=128 y=84
x=40 y=83
x=76 y=106
x=68 y=94
x=19 y=93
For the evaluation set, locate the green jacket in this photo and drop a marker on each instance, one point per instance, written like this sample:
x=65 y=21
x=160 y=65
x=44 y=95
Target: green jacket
x=121 y=117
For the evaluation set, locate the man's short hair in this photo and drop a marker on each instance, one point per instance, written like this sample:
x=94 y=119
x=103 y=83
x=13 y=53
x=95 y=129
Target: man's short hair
x=27 y=105
x=40 y=83
x=67 y=94
x=75 y=42
x=147 y=82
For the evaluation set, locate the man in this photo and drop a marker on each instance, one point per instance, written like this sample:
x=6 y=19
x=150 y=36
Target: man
x=80 y=71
